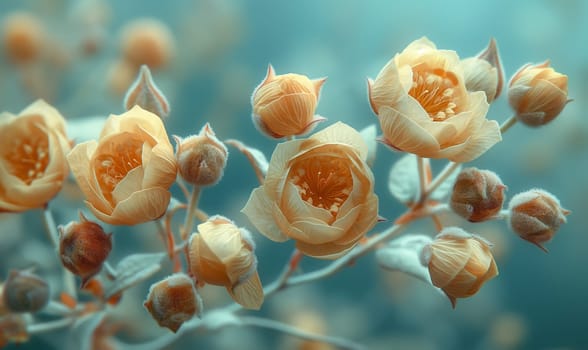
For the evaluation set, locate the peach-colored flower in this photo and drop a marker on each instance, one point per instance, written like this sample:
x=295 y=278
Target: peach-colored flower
x=538 y=93
x=424 y=107
x=33 y=167
x=125 y=176
x=284 y=105
x=459 y=263
x=319 y=192
x=222 y=254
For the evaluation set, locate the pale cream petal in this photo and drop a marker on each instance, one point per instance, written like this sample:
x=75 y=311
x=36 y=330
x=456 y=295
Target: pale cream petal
x=314 y=232
x=248 y=293
x=130 y=184
x=159 y=165
x=260 y=211
x=79 y=163
x=388 y=87
x=327 y=251
x=19 y=194
x=52 y=118
x=142 y=206
x=58 y=149
x=343 y=133
x=294 y=208
x=367 y=217
x=486 y=137
x=240 y=266
x=289 y=114
x=274 y=179
x=402 y=132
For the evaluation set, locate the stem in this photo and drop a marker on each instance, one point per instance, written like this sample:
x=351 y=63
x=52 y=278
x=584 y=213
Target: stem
x=286 y=329
x=69 y=283
x=422 y=176
x=438 y=180
x=192 y=205
x=50 y=326
x=338 y=264
x=508 y=124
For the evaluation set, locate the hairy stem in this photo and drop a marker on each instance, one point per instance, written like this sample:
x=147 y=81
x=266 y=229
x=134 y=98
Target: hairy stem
x=508 y=124
x=438 y=180
x=190 y=213
x=340 y=343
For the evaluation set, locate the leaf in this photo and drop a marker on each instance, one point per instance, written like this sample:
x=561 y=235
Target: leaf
x=81 y=334
x=134 y=269
x=446 y=186
x=403 y=181
x=369 y=134
x=403 y=254
x=255 y=156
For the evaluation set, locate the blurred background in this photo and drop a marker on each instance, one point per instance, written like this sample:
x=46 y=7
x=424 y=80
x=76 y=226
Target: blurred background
x=208 y=56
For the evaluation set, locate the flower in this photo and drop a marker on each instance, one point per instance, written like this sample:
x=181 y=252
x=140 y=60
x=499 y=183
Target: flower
x=147 y=41
x=125 y=176
x=284 y=105
x=537 y=93
x=535 y=216
x=319 y=192
x=424 y=108
x=33 y=148
x=223 y=254
x=459 y=263
x=23 y=37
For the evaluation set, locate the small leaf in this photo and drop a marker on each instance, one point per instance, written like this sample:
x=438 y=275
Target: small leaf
x=369 y=135
x=81 y=334
x=255 y=156
x=132 y=270
x=403 y=181
x=403 y=254
x=446 y=186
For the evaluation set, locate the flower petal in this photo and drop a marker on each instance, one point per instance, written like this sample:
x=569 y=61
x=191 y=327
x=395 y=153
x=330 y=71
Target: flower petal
x=142 y=206
x=248 y=293
x=259 y=209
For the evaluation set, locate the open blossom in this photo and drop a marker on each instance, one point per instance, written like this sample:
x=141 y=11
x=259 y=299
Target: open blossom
x=319 y=192
x=33 y=146
x=222 y=254
x=126 y=174
x=424 y=107
x=538 y=93
x=284 y=105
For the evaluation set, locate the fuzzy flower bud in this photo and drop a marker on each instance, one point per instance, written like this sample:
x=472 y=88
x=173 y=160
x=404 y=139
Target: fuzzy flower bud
x=201 y=158
x=223 y=254
x=484 y=72
x=146 y=94
x=173 y=301
x=147 y=41
x=83 y=247
x=535 y=216
x=22 y=37
x=538 y=93
x=284 y=105
x=459 y=263
x=477 y=195
x=25 y=292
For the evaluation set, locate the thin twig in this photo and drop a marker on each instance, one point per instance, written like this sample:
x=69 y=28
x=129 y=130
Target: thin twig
x=438 y=180
x=36 y=328
x=340 y=343
x=508 y=124
x=192 y=205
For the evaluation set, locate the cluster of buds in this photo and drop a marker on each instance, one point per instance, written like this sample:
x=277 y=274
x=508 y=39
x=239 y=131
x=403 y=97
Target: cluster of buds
x=535 y=216
x=477 y=195
x=201 y=158
x=83 y=247
x=459 y=263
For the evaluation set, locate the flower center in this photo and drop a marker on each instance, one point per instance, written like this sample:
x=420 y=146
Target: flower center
x=28 y=156
x=324 y=182
x=115 y=160
x=435 y=90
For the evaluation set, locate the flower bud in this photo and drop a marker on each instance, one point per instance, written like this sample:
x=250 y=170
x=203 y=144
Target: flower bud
x=83 y=247
x=535 y=216
x=13 y=328
x=538 y=94
x=22 y=37
x=284 y=105
x=147 y=41
x=25 y=292
x=173 y=301
x=223 y=254
x=459 y=263
x=201 y=158
x=477 y=195
x=146 y=94
x=484 y=72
